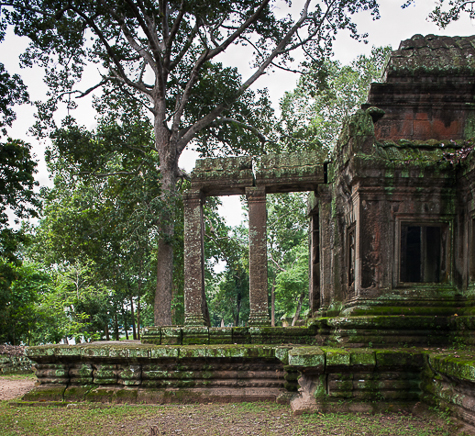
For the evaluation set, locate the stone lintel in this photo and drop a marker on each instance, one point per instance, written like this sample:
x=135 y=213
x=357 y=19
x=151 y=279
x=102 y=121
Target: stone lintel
x=290 y=172
x=278 y=173
x=223 y=176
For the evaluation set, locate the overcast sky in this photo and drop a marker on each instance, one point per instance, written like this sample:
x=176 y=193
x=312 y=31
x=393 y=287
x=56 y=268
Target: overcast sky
x=394 y=26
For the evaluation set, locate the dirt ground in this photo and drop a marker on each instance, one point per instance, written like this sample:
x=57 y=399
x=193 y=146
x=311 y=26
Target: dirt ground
x=14 y=387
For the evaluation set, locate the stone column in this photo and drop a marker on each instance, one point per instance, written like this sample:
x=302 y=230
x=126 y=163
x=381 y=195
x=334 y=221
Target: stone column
x=314 y=262
x=326 y=228
x=195 y=302
x=259 y=310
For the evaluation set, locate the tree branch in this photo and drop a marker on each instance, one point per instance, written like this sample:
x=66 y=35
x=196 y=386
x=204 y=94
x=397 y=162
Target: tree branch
x=210 y=117
x=252 y=19
x=252 y=129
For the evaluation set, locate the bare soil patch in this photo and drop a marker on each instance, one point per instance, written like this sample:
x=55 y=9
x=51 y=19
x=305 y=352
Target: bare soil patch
x=12 y=387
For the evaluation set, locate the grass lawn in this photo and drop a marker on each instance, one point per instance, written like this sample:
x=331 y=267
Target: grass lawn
x=212 y=419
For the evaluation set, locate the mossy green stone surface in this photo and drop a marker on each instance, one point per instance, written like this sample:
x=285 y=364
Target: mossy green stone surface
x=336 y=357
x=307 y=357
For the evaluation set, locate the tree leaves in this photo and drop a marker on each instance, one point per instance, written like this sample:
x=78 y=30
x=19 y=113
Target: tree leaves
x=312 y=114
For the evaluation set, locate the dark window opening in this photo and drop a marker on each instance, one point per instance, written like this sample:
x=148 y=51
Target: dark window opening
x=351 y=257
x=423 y=253
x=471 y=251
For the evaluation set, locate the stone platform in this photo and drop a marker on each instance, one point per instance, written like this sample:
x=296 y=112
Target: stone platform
x=309 y=378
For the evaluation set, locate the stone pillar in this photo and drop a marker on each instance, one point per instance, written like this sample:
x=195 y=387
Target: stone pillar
x=326 y=228
x=314 y=262
x=259 y=310
x=196 y=311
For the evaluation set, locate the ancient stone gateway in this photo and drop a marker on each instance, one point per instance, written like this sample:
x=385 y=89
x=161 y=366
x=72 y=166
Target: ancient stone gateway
x=238 y=176
x=392 y=289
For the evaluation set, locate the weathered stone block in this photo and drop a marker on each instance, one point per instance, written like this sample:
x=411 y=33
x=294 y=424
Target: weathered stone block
x=171 y=336
x=193 y=352
x=394 y=358
x=105 y=374
x=241 y=335
x=336 y=358
x=80 y=373
x=46 y=393
x=129 y=375
x=220 y=335
x=290 y=172
x=77 y=393
x=151 y=335
x=164 y=351
x=362 y=358
x=195 y=335
x=308 y=358
x=222 y=176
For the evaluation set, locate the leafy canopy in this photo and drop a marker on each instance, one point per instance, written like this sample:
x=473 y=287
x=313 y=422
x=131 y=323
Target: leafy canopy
x=313 y=113
x=166 y=55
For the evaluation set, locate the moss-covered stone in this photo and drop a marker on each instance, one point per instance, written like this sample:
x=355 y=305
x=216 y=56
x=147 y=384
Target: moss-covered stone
x=220 y=335
x=307 y=357
x=363 y=358
x=241 y=335
x=195 y=335
x=77 y=393
x=151 y=335
x=336 y=358
x=45 y=393
x=171 y=336
x=399 y=358
x=164 y=351
x=455 y=365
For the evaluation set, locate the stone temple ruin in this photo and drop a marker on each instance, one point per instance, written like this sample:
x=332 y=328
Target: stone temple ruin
x=392 y=270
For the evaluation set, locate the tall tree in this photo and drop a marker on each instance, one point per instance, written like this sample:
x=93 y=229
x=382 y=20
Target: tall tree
x=106 y=222
x=166 y=56
x=17 y=199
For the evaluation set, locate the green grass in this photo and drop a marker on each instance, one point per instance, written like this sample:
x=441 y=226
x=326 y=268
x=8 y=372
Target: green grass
x=23 y=376
x=263 y=419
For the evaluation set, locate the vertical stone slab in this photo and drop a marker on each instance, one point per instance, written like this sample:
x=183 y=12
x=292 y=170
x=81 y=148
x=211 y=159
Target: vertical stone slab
x=326 y=245
x=314 y=261
x=259 y=310
x=195 y=303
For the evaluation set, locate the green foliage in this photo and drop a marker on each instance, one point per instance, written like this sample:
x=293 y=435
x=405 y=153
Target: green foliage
x=312 y=114
x=178 y=42
x=287 y=248
x=17 y=169
x=228 y=293
x=445 y=12
x=103 y=214
x=12 y=92
x=291 y=284
x=17 y=182
x=20 y=314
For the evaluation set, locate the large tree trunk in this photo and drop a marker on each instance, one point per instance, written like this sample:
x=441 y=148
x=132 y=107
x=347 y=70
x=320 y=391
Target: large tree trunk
x=133 y=316
x=163 y=295
x=272 y=304
x=299 y=308
x=169 y=170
